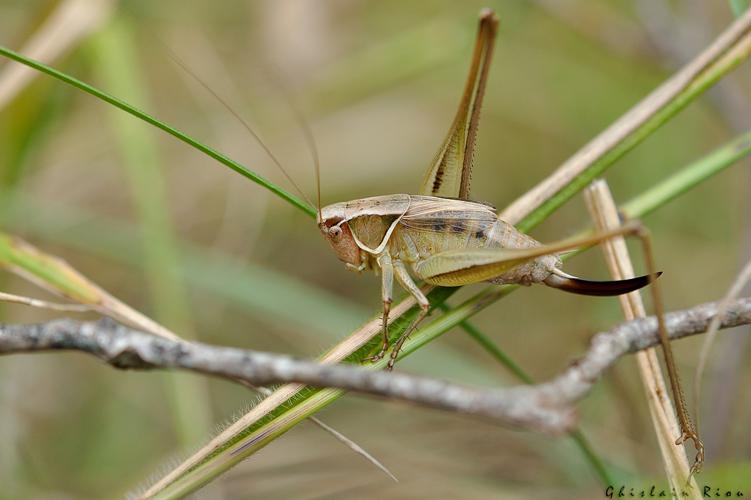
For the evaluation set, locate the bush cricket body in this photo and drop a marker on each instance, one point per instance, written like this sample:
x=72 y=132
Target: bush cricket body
x=442 y=238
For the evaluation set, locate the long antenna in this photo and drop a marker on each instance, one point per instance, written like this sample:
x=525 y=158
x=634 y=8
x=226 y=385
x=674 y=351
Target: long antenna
x=247 y=127
x=307 y=131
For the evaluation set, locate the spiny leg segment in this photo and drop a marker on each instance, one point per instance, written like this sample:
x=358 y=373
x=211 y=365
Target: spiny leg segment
x=688 y=429
x=389 y=268
x=387 y=290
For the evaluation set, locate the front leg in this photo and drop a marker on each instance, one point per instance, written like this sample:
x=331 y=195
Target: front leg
x=387 y=289
x=406 y=281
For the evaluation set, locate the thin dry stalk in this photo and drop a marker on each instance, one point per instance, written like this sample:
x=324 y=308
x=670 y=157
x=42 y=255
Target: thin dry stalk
x=43 y=304
x=605 y=215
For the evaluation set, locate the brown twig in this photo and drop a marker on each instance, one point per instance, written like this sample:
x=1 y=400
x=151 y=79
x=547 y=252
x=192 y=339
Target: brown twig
x=545 y=407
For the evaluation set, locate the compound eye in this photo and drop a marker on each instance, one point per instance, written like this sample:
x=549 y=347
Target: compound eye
x=335 y=231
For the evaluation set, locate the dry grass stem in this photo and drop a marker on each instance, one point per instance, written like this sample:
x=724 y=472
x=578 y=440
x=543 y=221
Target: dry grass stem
x=58 y=277
x=605 y=215
x=43 y=304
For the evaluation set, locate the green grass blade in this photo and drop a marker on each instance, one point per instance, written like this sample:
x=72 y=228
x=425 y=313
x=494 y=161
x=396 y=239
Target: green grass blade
x=119 y=103
x=15 y=254
x=689 y=177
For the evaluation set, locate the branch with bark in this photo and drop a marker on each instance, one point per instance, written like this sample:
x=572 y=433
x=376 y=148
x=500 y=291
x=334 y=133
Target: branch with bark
x=546 y=407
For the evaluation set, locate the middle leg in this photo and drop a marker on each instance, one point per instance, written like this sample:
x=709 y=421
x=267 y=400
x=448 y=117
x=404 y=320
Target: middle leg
x=406 y=281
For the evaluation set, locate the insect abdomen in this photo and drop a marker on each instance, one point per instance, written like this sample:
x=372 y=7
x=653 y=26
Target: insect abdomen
x=419 y=240
x=504 y=235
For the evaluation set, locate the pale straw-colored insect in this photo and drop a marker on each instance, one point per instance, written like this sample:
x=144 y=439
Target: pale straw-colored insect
x=442 y=238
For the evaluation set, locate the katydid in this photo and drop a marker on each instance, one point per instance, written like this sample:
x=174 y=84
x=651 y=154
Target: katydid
x=442 y=238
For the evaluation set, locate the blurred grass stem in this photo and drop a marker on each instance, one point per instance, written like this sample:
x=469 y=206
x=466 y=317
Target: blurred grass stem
x=112 y=51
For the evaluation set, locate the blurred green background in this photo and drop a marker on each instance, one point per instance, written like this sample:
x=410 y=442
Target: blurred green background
x=216 y=257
